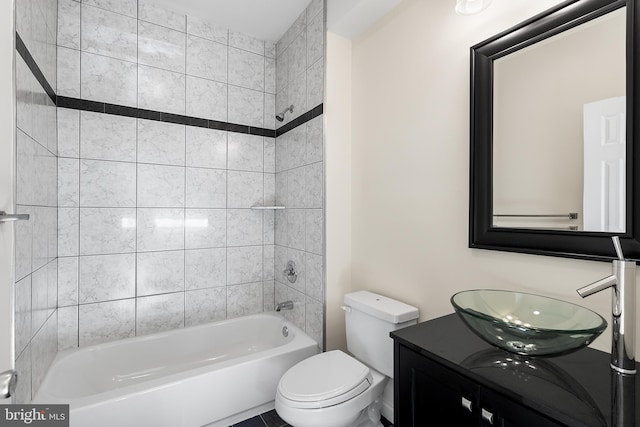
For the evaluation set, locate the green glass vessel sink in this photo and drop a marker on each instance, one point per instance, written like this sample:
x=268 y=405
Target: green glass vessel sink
x=528 y=324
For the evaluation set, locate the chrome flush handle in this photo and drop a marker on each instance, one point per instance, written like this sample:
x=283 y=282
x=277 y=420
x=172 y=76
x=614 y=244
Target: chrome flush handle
x=5 y=217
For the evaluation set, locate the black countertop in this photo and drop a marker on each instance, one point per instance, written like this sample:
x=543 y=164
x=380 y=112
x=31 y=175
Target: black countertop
x=575 y=389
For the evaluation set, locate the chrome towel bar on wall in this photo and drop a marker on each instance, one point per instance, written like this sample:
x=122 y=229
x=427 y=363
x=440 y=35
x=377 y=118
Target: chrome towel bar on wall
x=572 y=215
x=5 y=217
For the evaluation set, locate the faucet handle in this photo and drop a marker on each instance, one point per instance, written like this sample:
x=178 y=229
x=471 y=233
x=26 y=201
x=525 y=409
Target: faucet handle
x=618 y=247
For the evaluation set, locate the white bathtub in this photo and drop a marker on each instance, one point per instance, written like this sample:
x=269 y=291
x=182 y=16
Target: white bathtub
x=214 y=374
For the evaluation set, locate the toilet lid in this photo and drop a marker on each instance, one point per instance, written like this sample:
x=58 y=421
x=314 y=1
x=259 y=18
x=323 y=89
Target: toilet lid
x=333 y=376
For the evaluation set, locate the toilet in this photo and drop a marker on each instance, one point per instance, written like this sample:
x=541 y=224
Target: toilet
x=335 y=389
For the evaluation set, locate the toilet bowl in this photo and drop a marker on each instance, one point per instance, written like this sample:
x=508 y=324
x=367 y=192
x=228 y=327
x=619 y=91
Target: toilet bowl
x=335 y=389
x=331 y=389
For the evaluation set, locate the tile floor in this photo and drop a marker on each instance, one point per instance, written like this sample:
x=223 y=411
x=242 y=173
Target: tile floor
x=271 y=419
x=268 y=419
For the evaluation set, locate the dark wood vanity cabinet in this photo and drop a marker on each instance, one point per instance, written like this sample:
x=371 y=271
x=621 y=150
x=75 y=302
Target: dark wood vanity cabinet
x=446 y=376
x=433 y=395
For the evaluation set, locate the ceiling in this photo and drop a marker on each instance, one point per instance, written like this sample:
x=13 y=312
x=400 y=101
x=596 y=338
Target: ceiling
x=270 y=19
x=264 y=19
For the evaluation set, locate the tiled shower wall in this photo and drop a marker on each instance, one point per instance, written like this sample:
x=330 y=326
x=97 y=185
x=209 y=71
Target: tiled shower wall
x=36 y=243
x=155 y=226
x=299 y=232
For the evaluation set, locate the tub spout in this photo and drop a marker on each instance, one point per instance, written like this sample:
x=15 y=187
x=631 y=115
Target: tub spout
x=286 y=305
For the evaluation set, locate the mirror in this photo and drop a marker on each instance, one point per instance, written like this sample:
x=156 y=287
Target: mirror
x=552 y=125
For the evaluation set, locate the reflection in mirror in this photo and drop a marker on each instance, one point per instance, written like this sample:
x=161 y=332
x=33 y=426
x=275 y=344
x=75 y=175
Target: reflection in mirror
x=559 y=130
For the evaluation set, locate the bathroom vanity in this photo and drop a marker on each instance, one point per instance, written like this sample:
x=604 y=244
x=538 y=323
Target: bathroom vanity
x=446 y=375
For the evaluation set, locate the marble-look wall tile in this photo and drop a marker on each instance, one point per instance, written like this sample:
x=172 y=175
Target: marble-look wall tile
x=298 y=58
x=52 y=286
x=107 y=321
x=315 y=84
x=107 y=230
x=68 y=231
x=205 y=228
x=270 y=155
x=246 y=69
x=205 y=268
x=161 y=143
x=315 y=39
x=201 y=28
x=269 y=111
x=314 y=145
x=44 y=347
x=206 y=59
x=246 y=42
x=107 y=137
x=315 y=231
x=245 y=189
x=67 y=327
x=296 y=188
x=205 y=305
x=270 y=75
x=270 y=189
x=161 y=47
x=161 y=90
x=206 y=99
x=39 y=299
x=22 y=325
x=314 y=276
x=269 y=294
x=206 y=148
x=160 y=229
x=159 y=313
x=314 y=320
x=68 y=24
x=23 y=368
x=269 y=256
x=161 y=186
x=160 y=272
x=67 y=281
x=270 y=49
x=124 y=7
x=24 y=96
x=24 y=243
x=314 y=8
x=244 y=227
x=244 y=300
x=314 y=183
x=148 y=11
x=106 y=277
x=109 y=34
x=246 y=106
x=107 y=184
x=68 y=72
x=244 y=264
x=109 y=80
x=245 y=152
x=68 y=133
x=206 y=188
x=296 y=228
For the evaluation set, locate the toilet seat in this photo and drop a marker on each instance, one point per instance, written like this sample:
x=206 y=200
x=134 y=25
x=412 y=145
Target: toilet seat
x=324 y=380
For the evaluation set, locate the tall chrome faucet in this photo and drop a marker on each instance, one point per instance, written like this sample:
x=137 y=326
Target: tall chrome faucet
x=623 y=283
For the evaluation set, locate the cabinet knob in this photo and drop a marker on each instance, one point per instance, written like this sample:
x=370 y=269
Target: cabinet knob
x=466 y=403
x=487 y=416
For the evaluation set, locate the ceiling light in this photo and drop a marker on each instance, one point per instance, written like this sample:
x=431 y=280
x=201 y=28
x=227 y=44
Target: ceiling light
x=469 y=7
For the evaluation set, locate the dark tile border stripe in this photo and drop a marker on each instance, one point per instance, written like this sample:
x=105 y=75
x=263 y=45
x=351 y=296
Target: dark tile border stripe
x=33 y=66
x=300 y=120
x=140 y=113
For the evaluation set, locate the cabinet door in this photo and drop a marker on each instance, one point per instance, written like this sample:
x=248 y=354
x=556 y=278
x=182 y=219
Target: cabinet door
x=428 y=394
x=507 y=413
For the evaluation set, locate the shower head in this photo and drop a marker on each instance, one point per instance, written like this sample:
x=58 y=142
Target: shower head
x=280 y=117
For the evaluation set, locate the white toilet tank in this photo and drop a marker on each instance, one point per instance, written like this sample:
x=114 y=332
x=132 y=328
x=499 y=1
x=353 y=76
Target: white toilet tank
x=369 y=318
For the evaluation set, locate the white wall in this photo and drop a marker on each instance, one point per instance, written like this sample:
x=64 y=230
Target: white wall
x=7 y=137
x=410 y=167
x=338 y=185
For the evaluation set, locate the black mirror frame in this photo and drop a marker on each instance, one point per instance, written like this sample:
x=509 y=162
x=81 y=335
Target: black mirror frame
x=572 y=244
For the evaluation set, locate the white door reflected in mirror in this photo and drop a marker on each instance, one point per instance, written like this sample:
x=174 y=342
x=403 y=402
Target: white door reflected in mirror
x=604 y=165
